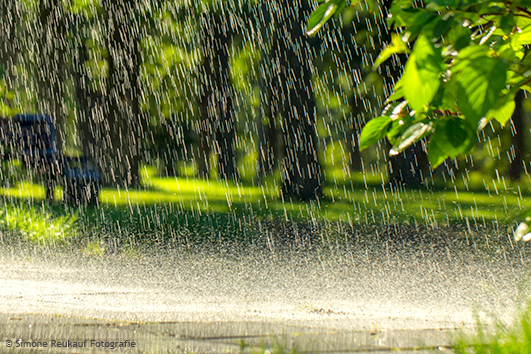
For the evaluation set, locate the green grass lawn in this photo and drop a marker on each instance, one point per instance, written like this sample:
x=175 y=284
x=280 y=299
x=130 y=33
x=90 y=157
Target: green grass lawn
x=359 y=199
x=500 y=338
x=166 y=207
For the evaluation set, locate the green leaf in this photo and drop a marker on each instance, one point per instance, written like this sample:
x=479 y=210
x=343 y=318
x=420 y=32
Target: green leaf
x=414 y=19
x=319 y=17
x=397 y=92
x=395 y=110
x=523 y=21
x=373 y=131
x=421 y=73
x=521 y=38
x=412 y=135
x=437 y=27
x=479 y=81
x=507 y=23
x=371 y=5
x=396 y=95
x=435 y=154
x=444 y=99
x=341 y=5
x=443 y=3
x=396 y=129
x=503 y=110
x=397 y=46
x=459 y=37
x=509 y=52
x=471 y=53
x=454 y=136
x=461 y=136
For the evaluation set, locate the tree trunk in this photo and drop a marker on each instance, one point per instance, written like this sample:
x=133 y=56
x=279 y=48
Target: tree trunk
x=517 y=139
x=122 y=117
x=268 y=141
x=218 y=128
x=268 y=147
x=204 y=126
x=225 y=126
x=50 y=63
x=90 y=120
x=292 y=84
x=353 y=137
x=408 y=168
x=9 y=21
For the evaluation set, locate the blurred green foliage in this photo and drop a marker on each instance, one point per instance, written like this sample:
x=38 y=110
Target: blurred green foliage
x=466 y=63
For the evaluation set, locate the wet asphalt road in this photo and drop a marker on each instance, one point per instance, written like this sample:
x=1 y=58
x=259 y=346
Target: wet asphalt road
x=214 y=303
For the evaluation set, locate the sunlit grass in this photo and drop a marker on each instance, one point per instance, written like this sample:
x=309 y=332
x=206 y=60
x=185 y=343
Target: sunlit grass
x=192 y=210
x=502 y=339
x=37 y=226
x=360 y=200
x=28 y=190
x=357 y=201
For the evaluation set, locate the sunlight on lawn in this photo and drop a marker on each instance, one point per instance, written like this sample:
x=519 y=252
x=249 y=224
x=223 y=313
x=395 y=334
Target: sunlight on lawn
x=344 y=201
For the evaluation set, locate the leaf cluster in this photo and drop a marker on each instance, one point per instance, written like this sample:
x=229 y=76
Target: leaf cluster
x=329 y=8
x=467 y=60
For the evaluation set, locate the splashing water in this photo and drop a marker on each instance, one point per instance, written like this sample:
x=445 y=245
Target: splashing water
x=199 y=91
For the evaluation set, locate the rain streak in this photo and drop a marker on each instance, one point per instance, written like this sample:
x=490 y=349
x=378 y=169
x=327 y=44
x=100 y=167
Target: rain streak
x=187 y=176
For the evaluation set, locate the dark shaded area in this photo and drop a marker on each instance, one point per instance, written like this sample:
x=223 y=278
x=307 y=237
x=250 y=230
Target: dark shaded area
x=9 y=21
x=292 y=97
x=217 y=126
x=408 y=169
x=122 y=118
x=518 y=145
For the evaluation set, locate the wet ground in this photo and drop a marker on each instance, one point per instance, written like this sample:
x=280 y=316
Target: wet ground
x=69 y=334
x=176 y=301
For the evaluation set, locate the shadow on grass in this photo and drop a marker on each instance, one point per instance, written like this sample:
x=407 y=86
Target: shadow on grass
x=199 y=212
x=109 y=229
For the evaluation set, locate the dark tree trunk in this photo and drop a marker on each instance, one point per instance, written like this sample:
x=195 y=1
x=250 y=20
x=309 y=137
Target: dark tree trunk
x=268 y=147
x=218 y=128
x=90 y=120
x=204 y=126
x=292 y=85
x=408 y=168
x=268 y=140
x=122 y=117
x=225 y=126
x=49 y=67
x=517 y=139
x=9 y=21
x=49 y=36
x=353 y=137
